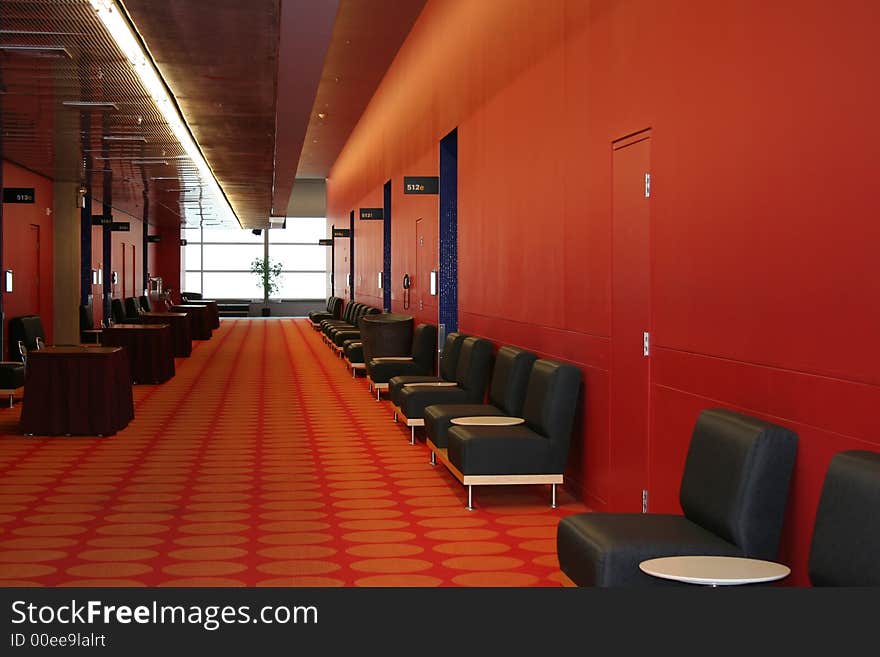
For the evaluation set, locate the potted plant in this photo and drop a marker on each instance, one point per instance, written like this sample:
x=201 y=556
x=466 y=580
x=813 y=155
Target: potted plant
x=269 y=272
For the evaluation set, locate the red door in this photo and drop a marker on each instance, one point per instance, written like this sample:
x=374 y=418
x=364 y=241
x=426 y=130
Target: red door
x=427 y=264
x=630 y=323
x=29 y=284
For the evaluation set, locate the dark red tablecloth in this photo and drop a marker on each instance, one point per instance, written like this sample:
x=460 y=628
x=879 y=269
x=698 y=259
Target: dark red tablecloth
x=180 y=332
x=84 y=391
x=150 y=349
x=213 y=310
x=199 y=319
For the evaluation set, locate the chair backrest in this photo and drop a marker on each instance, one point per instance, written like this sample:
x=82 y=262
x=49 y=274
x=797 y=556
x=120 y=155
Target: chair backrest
x=424 y=344
x=449 y=355
x=144 y=301
x=86 y=318
x=846 y=538
x=26 y=328
x=348 y=313
x=472 y=372
x=117 y=312
x=335 y=307
x=132 y=308
x=736 y=479
x=550 y=405
x=510 y=379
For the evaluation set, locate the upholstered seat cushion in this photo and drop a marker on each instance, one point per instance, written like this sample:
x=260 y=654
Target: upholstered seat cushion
x=339 y=337
x=397 y=383
x=605 y=549
x=354 y=351
x=382 y=370
x=415 y=398
x=511 y=450
x=438 y=418
x=11 y=375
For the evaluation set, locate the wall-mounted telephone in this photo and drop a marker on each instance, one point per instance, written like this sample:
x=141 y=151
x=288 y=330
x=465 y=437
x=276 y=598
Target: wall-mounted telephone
x=407 y=282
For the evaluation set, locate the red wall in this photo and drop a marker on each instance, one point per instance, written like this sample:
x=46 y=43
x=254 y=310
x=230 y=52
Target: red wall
x=17 y=221
x=407 y=209
x=120 y=243
x=167 y=256
x=132 y=284
x=763 y=212
x=97 y=264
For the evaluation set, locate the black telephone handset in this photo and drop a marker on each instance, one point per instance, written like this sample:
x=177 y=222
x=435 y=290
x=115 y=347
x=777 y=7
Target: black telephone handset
x=407 y=281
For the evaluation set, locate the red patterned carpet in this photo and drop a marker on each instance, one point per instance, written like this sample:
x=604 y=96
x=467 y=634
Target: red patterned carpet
x=261 y=463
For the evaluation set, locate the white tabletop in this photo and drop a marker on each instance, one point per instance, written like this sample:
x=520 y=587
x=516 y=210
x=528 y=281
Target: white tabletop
x=715 y=571
x=487 y=420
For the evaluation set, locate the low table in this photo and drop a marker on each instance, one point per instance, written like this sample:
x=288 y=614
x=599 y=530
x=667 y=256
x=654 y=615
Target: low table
x=180 y=330
x=77 y=391
x=487 y=421
x=150 y=350
x=199 y=319
x=715 y=571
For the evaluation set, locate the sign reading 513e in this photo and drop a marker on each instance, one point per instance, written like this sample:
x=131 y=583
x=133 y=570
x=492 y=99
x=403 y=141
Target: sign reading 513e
x=18 y=195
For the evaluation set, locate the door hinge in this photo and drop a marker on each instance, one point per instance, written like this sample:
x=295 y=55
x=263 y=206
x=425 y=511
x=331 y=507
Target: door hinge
x=646 y=344
x=644 y=501
x=647 y=185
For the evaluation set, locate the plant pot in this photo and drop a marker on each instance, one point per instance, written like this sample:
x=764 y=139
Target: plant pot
x=266 y=311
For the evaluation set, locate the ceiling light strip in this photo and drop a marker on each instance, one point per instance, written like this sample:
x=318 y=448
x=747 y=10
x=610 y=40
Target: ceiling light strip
x=130 y=46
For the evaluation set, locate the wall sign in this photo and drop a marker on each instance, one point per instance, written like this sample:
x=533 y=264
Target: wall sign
x=421 y=184
x=341 y=232
x=326 y=242
x=154 y=238
x=372 y=213
x=120 y=226
x=101 y=220
x=182 y=242
x=18 y=195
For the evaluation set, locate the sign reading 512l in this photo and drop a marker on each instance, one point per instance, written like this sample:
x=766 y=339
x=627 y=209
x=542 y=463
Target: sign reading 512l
x=421 y=185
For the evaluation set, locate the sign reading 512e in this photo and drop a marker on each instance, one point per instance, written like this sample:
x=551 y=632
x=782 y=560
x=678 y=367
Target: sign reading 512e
x=421 y=185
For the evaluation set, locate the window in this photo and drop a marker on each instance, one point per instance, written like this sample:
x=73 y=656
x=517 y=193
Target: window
x=217 y=263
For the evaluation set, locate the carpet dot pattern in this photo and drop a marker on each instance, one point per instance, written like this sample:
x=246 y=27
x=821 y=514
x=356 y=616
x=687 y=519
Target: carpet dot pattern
x=261 y=463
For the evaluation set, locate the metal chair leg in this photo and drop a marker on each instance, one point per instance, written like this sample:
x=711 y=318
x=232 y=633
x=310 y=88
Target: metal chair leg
x=552 y=496
x=470 y=504
x=433 y=458
x=412 y=435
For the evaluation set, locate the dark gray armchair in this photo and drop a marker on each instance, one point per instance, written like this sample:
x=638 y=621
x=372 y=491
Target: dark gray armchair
x=733 y=493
